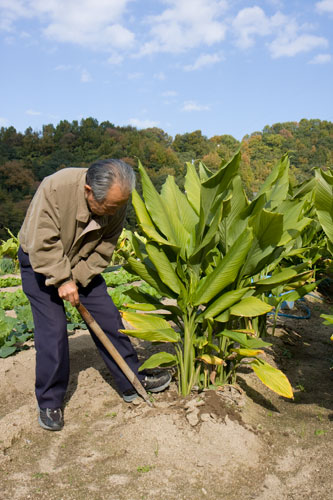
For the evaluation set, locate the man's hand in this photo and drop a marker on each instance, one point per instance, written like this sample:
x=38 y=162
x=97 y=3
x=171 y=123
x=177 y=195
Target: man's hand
x=68 y=291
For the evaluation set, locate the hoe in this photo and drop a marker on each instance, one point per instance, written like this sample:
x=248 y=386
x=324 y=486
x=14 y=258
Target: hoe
x=89 y=320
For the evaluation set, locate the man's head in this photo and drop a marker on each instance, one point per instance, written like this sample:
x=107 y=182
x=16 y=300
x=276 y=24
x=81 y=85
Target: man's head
x=109 y=184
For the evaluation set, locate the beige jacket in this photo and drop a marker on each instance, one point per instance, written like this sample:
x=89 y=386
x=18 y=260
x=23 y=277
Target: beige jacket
x=63 y=238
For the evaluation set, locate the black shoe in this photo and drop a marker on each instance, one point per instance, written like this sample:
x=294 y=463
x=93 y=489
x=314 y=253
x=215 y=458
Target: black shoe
x=51 y=419
x=152 y=383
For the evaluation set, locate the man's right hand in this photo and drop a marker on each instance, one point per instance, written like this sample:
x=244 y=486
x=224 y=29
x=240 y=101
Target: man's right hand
x=68 y=291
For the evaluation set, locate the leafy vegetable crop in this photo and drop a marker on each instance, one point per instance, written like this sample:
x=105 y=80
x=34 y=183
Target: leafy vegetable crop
x=10 y=300
x=10 y=281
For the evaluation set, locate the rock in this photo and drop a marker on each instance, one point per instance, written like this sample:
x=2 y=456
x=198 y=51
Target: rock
x=193 y=404
x=162 y=404
x=193 y=418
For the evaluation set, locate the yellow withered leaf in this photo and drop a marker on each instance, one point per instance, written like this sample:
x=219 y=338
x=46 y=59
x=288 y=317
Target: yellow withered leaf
x=211 y=360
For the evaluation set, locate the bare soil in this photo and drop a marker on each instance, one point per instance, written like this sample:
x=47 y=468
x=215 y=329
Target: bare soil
x=243 y=442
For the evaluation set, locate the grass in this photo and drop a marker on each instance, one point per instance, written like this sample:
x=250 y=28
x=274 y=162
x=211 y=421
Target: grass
x=145 y=468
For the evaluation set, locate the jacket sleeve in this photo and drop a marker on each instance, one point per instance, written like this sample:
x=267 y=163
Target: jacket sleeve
x=99 y=259
x=44 y=245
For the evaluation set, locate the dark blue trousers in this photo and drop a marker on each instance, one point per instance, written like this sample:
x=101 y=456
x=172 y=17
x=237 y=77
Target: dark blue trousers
x=51 y=340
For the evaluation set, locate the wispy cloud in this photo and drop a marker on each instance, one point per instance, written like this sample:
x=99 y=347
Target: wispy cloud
x=115 y=59
x=63 y=67
x=3 y=122
x=32 y=112
x=203 y=61
x=185 y=24
x=321 y=59
x=194 y=106
x=179 y=26
x=159 y=76
x=136 y=122
x=97 y=24
x=249 y=23
x=325 y=6
x=288 y=38
x=85 y=76
x=289 y=46
x=135 y=76
x=169 y=93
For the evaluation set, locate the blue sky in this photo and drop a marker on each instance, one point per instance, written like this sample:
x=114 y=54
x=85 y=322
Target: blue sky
x=224 y=67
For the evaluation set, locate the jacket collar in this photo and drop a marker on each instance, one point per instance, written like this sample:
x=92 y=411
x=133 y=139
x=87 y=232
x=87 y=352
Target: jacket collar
x=83 y=213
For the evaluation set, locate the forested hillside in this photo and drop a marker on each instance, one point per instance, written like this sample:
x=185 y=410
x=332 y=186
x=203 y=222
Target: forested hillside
x=25 y=159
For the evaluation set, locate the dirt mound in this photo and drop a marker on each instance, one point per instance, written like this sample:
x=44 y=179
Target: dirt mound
x=241 y=442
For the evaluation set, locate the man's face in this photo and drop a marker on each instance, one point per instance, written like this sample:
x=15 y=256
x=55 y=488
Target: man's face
x=116 y=198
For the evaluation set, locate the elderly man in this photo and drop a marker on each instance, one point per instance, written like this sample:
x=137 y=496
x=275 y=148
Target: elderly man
x=67 y=239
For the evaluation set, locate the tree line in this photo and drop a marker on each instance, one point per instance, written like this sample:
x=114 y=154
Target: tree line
x=26 y=158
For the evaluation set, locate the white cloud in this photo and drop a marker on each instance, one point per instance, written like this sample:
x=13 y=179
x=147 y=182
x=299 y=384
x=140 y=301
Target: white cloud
x=169 y=93
x=288 y=38
x=12 y=10
x=135 y=76
x=92 y=23
x=203 y=61
x=159 y=76
x=321 y=59
x=3 y=122
x=194 y=106
x=115 y=59
x=33 y=112
x=325 y=6
x=185 y=24
x=85 y=76
x=248 y=23
x=63 y=67
x=289 y=46
x=136 y=122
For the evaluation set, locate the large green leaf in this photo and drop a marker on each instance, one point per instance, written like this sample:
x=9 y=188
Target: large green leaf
x=6 y=351
x=145 y=221
x=272 y=377
x=136 y=294
x=268 y=229
x=300 y=292
x=163 y=335
x=215 y=185
x=179 y=204
x=142 y=306
x=157 y=208
x=226 y=300
x=292 y=233
x=232 y=223
x=328 y=319
x=250 y=307
x=163 y=266
x=324 y=202
x=276 y=185
x=193 y=187
x=307 y=187
x=244 y=340
x=144 y=321
x=220 y=181
x=159 y=359
x=280 y=278
x=209 y=236
x=149 y=275
x=226 y=271
x=204 y=172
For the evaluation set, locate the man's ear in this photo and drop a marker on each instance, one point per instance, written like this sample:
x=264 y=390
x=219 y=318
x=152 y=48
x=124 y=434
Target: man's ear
x=87 y=189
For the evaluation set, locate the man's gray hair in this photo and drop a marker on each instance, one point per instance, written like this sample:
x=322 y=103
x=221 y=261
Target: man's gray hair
x=103 y=174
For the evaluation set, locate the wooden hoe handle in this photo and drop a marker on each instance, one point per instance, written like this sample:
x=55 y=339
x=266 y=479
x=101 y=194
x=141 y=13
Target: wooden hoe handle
x=89 y=320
